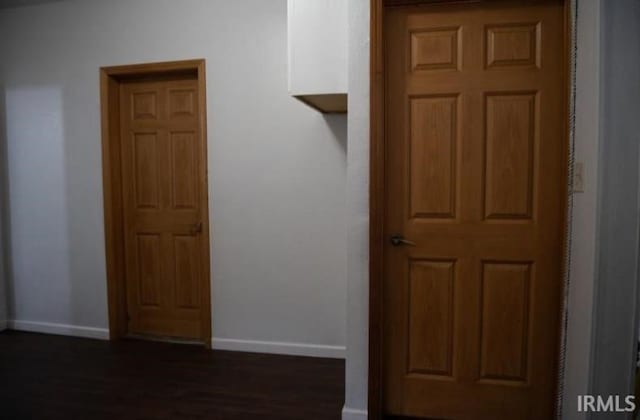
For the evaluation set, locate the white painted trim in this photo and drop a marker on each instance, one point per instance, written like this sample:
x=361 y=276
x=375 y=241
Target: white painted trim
x=352 y=414
x=3 y=325
x=274 y=347
x=59 y=329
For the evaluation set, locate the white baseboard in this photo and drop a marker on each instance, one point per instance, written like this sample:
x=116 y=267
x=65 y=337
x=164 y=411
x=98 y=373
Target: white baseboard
x=273 y=347
x=351 y=414
x=59 y=329
x=3 y=325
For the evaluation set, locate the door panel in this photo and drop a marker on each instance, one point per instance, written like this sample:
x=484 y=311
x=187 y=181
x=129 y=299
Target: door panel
x=434 y=137
x=162 y=207
x=475 y=169
x=149 y=270
x=510 y=137
x=504 y=326
x=431 y=317
x=146 y=182
x=183 y=170
x=186 y=268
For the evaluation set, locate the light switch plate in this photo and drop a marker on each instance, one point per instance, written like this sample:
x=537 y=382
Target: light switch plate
x=578 y=177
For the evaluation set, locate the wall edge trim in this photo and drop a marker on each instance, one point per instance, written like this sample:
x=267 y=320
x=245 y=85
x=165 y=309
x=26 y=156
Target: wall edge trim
x=353 y=414
x=59 y=329
x=275 y=347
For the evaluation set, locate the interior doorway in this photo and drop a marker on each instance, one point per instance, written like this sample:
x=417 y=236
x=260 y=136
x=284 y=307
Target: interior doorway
x=469 y=162
x=156 y=200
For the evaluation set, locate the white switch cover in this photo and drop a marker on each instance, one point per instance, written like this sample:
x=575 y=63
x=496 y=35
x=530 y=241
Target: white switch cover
x=578 y=177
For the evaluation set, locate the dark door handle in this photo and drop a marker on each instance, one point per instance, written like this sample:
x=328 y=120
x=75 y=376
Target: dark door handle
x=397 y=240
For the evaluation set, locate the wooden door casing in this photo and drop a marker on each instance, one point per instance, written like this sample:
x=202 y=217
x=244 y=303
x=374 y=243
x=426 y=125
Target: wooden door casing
x=165 y=220
x=475 y=146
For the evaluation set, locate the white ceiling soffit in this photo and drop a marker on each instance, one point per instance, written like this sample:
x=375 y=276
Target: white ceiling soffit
x=6 y=4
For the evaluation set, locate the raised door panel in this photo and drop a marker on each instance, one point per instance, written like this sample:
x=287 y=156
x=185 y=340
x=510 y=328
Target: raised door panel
x=146 y=181
x=513 y=45
x=186 y=271
x=505 y=321
x=149 y=270
x=144 y=105
x=183 y=170
x=433 y=147
x=436 y=49
x=511 y=127
x=431 y=317
x=182 y=103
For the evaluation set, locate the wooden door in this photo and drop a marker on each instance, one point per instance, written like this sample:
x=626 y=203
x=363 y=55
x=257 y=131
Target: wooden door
x=475 y=178
x=162 y=162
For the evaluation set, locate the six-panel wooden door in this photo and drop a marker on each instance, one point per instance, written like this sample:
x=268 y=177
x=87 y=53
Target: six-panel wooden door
x=475 y=179
x=163 y=206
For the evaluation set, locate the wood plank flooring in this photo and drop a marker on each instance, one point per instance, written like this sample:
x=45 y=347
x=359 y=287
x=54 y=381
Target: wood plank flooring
x=54 y=377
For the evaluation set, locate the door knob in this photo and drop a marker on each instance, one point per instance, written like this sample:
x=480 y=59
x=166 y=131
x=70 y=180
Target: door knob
x=196 y=228
x=397 y=240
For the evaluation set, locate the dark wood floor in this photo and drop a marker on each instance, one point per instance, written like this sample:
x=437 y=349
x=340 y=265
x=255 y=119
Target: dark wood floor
x=53 y=377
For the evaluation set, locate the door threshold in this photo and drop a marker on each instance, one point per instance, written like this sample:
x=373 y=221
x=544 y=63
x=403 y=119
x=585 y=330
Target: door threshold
x=163 y=339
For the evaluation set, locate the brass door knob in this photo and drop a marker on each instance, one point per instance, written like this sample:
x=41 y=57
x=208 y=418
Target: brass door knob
x=196 y=228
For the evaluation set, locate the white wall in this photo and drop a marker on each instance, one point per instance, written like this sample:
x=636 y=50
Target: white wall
x=358 y=213
x=3 y=297
x=3 y=198
x=584 y=215
x=317 y=46
x=616 y=290
x=277 y=168
x=3 y=292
